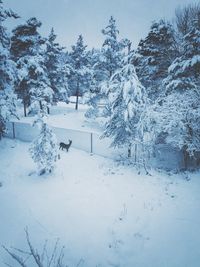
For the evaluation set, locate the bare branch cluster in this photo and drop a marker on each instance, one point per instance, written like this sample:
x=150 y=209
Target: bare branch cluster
x=43 y=259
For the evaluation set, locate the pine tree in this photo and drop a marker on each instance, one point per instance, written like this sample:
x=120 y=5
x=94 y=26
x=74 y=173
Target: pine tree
x=80 y=72
x=26 y=50
x=183 y=84
x=175 y=117
x=31 y=69
x=57 y=69
x=44 y=149
x=184 y=71
x=26 y=39
x=8 y=99
x=154 y=55
x=112 y=48
x=95 y=97
x=111 y=60
x=127 y=104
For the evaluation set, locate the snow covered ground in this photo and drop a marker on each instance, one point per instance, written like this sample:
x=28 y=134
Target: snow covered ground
x=105 y=213
x=65 y=116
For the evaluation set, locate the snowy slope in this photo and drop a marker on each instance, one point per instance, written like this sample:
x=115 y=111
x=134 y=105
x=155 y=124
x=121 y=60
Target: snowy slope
x=103 y=212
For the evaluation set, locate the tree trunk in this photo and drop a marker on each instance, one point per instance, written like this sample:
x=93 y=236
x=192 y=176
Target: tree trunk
x=129 y=50
x=76 y=107
x=24 y=103
x=129 y=151
x=77 y=95
x=48 y=110
x=185 y=157
x=40 y=102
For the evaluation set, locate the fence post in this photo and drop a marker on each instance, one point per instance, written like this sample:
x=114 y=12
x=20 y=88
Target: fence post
x=13 y=129
x=135 y=152
x=91 y=144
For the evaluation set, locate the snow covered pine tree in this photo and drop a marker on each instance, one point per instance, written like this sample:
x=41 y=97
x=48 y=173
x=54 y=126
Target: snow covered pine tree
x=153 y=57
x=176 y=115
x=44 y=149
x=112 y=53
x=128 y=101
x=95 y=97
x=35 y=87
x=27 y=51
x=8 y=99
x=57 y=69
x=80 y=72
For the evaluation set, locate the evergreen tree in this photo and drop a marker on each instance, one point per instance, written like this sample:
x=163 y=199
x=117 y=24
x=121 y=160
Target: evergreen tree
x=80 y=72
x=95 y=97
x=31 y=69
x=154 y=55
x=127 y=104
x=112 y=48
x=57 y=69
x=111 y=59
x=26 y=39
x=176 y=115
x=184 y=72
x=8 y=99
x=26 y=50
x=44 y=149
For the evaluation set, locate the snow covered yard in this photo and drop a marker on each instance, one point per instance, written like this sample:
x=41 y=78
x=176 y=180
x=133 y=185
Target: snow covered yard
x=103 y=212
x=65 y=116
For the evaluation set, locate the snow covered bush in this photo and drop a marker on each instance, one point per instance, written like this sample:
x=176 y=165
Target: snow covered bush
x=176 y=118
x=44 y=149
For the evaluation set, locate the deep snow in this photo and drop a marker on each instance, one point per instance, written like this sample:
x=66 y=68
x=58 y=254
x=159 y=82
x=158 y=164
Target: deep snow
x=102 y=211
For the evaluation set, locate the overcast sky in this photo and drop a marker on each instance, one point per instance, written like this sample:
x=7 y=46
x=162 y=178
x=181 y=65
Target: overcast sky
x=88 y=17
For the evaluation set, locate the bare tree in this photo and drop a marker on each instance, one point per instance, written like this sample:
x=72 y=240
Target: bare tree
x=185 y=17
x=43 y=259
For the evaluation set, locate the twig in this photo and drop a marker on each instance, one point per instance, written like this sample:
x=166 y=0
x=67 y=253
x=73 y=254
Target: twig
x=33 y=252
x=15 y=257
x=44 y=250
x=53 y=253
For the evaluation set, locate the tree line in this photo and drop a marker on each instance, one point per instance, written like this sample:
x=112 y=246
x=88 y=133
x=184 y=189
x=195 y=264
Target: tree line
x=148 y=93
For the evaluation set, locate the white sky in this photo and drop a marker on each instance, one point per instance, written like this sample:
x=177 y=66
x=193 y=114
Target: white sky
x=73 y=17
